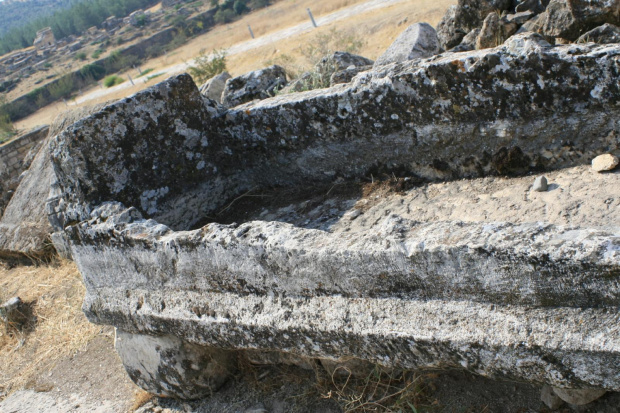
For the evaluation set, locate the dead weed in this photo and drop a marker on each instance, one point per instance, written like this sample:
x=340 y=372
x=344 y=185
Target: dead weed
x=58 y=326
x=382 y=390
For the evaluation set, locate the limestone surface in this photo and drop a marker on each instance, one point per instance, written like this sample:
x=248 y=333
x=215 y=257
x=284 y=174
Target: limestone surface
x=504 y=289
x=569 y=19
x=259 y=84
x=605 y=162
x=417 y=41
x=464 y=17
x=439 y=118
x=24 y=227
x=214 y=87
x=607 y=33
x=168 y=366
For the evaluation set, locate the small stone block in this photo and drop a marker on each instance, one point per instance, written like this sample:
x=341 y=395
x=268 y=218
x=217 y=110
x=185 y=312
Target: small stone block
x=540 y=184
x=579 y=397
x=605 y=162
x=550 y=399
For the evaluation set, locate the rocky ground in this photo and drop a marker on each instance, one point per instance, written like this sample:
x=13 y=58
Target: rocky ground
x=94 y=381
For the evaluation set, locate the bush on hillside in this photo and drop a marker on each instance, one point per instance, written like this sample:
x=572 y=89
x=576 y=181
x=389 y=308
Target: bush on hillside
x=112 y=80
x=208 y=66
x=223 y=16
x=6 y=127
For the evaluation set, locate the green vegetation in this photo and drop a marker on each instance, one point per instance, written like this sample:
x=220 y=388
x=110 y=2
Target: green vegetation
x=86 y=13
x=230 y=9
x=19 y=13
x=61 y=88
x=80 y=56
x=8 y=85
x=81 y=15
x=153 y=76
x=145 y=72
x=6 y=127
x=92 y=72
x=112 y=80
x=208 y=66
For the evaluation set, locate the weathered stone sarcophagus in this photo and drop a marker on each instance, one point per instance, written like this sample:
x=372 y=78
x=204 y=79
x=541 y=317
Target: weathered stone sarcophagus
x=147 y=180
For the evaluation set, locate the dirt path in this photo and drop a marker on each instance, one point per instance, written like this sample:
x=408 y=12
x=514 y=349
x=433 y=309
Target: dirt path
x=252 y=44
x=92 y=380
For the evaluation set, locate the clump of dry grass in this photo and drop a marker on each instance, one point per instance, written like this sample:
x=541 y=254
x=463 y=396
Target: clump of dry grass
x=381 y=390
x=58 y=327
x=142 y=397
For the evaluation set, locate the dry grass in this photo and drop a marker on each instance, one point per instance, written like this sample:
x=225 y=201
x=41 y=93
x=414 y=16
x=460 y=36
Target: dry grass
x=377 y=29
x=142 y=398
x=55 y=293
x=380 y=391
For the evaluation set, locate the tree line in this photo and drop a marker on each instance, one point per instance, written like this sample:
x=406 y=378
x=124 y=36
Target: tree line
x=75 y=19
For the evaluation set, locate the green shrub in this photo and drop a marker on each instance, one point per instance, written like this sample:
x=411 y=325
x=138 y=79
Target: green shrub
x=141 y=20
x=61 y=88
x=97 y=53
x=259 y=4
x=80 y=55
x=240 y=7
x=92 y=72
x=145 y=72
x=224 y=16
x=6 y=126
x=112 y=80
x=153 y=76
x=208 y=66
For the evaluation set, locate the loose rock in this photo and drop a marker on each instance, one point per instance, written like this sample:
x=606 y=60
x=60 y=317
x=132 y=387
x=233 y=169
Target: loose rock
x=168 y=366
x=466 y=16
x=260 y=84
x=13 y=313
x=468 y=42
x=491 y=33
x=346 y=75
x=605 y=162
x=341 y=61
x=569 y=19
x=495 y=31
x=540 y=184
x=607 y=33
x=214 y=87
x=417 y=41
x=579 y=397
x=549 y=398
x=536 y=6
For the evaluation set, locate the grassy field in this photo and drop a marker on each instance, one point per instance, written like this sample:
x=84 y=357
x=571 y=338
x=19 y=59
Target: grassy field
x=376 y=30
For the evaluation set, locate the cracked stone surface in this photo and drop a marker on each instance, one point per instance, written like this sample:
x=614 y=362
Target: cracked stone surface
x=490 y=277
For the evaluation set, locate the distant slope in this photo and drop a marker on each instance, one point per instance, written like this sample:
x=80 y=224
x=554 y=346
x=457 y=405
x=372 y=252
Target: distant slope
x=73 y=18
x=15 y=13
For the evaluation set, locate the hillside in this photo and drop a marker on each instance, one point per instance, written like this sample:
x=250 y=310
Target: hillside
x=15 y=13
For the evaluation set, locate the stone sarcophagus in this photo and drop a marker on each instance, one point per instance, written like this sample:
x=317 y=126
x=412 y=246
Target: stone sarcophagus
x=152 y=187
